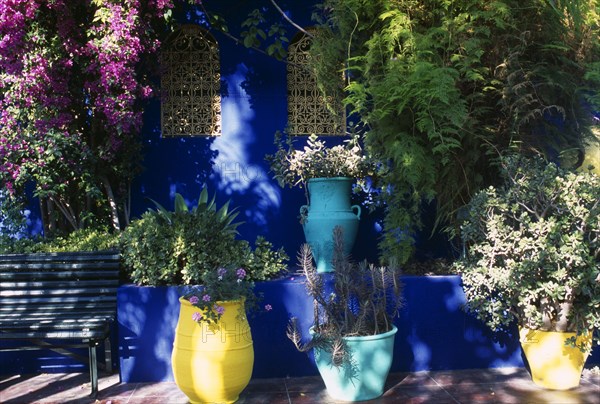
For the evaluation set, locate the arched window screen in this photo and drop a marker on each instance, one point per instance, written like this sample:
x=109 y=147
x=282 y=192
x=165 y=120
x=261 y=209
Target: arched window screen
x=307 y=108
x=190 y=83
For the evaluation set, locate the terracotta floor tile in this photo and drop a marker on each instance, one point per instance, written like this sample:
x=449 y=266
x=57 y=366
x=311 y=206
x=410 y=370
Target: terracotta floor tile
x=406 y=379
x=311 y=397
x=503 y=386
x=266 y=385
x=161 y=389
x=304 y=384
x=157 y=400
x=418 y=394
x=477 y=376
x=263 y=398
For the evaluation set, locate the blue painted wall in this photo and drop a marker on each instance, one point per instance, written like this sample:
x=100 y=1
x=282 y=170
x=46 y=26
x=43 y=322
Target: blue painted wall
x=433 y=331
x=254 y=107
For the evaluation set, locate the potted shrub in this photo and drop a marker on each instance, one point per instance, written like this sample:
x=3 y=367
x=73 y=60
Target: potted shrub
x=532 y=257
x=353 y=323
x=179 y=247
x=327 y=174
x=213 y=352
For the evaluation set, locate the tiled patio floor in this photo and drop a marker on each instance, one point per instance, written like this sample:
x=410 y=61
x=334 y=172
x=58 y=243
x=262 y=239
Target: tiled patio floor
x=508 y=385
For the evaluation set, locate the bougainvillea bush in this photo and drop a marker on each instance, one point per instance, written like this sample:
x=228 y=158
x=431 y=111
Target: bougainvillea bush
x=71 y=99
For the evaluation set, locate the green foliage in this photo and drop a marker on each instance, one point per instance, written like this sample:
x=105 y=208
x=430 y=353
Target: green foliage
x=442 y=88
x=12 y=220
x=533 y=249
x=264 y=262
x=364 y=301
x=262 y=32
x=89 y=239
x=182 y=246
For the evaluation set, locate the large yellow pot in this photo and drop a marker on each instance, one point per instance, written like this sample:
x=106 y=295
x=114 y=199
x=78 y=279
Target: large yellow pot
x=213 y=364
x=554 y=365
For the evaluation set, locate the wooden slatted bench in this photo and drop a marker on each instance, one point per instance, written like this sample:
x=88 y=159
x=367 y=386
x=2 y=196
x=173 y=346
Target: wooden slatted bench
x=52 y=297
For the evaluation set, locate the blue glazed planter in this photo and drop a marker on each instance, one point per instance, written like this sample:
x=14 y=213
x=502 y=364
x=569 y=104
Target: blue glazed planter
x=365 y=378
x=329 y=207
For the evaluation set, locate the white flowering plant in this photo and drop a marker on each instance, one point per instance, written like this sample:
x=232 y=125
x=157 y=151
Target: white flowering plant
x=292 y=167
x=221 y=285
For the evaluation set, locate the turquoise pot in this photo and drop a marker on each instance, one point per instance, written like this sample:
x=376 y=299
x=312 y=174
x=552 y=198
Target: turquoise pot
x=329 y=207
x=364 y=379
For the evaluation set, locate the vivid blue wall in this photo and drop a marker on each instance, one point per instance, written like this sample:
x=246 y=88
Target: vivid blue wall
x=254 y=107
x=434 y=333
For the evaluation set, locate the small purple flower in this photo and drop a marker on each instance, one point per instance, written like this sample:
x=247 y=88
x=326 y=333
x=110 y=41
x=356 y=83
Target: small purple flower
x=219 y=309
x=221 y=272
x=194 y=299
x=206 y=298
x=197 y=316
x=241 y=273
x=268 y=307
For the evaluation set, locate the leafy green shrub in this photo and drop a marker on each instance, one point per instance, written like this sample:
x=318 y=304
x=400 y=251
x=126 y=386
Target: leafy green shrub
x=263 y=262
x=182 y=246
x=79 y=240
x=533 y=249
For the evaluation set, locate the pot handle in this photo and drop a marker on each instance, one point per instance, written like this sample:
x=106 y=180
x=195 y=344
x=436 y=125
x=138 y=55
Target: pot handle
x=358 y=211
x=303 y=212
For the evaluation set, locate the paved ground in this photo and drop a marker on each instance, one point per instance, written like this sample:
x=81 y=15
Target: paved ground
x=509 y=385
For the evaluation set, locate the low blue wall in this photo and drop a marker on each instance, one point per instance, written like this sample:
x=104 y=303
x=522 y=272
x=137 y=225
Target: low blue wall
x=433 y=331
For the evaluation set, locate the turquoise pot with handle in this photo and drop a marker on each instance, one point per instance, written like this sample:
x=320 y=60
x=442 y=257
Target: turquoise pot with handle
x=364 y=378
x=329 y=207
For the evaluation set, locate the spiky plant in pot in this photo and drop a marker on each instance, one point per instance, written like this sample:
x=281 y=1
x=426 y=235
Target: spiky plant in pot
x=361 y=300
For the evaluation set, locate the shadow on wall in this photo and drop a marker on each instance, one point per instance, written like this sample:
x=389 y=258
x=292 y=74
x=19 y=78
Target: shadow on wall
x=178 y=164
x=147 y=320
x=238 y=172
x=434 y=333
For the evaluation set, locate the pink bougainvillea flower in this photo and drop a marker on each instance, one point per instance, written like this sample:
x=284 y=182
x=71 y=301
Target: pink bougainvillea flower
x=206 y=298
x=219 y=309
x=194 y=299
x=197 y=316
x=268 y=307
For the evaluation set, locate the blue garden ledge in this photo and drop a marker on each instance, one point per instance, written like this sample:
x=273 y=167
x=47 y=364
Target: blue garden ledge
x=434 y=333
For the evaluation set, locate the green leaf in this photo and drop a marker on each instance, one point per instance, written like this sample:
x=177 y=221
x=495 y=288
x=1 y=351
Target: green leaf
x=180 y=205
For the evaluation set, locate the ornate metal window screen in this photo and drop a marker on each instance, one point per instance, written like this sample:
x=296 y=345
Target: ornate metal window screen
x=307 y=108
x=190 y=84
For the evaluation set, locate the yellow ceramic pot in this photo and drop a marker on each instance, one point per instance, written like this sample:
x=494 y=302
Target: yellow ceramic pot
x=554 y=365
x=213 y=364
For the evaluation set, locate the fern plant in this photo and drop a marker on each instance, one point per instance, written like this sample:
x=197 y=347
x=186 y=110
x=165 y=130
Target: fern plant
x=363 y=300
x=442 y=88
